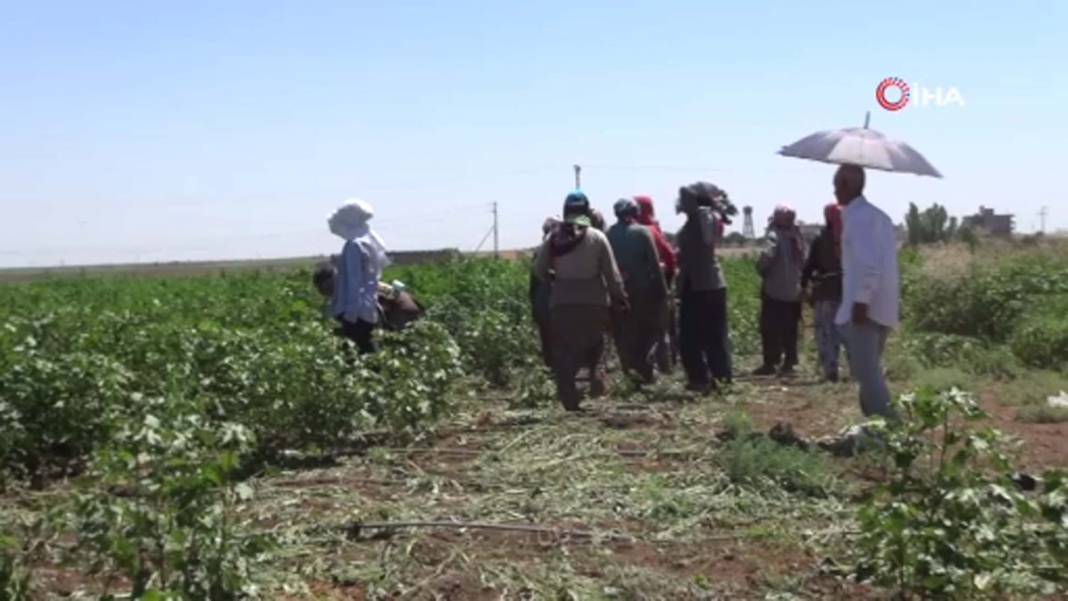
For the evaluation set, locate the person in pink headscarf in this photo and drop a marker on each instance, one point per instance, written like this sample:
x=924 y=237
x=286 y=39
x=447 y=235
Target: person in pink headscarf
x=780 y=267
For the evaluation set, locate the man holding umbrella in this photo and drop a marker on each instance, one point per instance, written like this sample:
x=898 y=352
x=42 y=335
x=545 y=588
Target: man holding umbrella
x=870 y=288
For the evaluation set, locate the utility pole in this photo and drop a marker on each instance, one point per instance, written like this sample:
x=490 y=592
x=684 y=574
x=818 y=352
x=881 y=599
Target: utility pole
x=578 y=177
x=1042 y=218
x=496 y=234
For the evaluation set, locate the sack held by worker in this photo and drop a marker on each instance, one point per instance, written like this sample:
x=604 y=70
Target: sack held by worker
x=396 y=305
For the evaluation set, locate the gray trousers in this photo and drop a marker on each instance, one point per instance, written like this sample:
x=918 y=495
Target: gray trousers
x=864 y=347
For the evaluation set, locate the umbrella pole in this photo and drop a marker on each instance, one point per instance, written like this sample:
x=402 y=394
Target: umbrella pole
x=867 y=118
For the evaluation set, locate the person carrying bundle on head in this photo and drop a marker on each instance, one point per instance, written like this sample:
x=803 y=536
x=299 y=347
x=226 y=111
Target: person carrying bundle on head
x=704 y=341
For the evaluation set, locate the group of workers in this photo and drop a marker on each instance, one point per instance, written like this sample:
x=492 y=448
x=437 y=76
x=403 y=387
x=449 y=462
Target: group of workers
x=587 y=282
x=850 y=275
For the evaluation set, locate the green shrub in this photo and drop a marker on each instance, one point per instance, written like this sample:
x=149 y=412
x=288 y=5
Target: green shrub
x=14 y=577
x=534 y=388
x=943 y=378
x=496 y=346
x=171 y=529
x=1042 y=341
x=989 y=301
x=760 y=461
x=972 y=355
x=55 y=408
x=951 y=523
x=979 y=306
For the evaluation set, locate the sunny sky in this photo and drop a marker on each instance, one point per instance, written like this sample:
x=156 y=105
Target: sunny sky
x=148 y=131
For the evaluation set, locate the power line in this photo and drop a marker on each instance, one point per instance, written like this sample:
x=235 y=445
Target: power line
x=484 y=238
x=611 y=167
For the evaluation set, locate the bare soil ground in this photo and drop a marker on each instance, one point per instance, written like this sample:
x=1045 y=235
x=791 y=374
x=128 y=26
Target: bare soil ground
x=629 y=500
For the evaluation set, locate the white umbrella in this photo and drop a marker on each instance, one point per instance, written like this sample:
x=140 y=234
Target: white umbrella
x=863 y=147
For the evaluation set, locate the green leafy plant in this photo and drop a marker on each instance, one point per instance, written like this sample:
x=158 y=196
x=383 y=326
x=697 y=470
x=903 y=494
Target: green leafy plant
x=1042 y=339
x=534 y=388
x=951 y=522
x=160 y=507
x=756 y=460
x=14 y=577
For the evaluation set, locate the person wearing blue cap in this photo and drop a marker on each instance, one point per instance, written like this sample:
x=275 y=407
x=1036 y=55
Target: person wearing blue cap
x=577 y=260
x=637 y=332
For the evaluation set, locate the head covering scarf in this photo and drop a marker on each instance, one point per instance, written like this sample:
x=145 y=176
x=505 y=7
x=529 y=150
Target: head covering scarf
x=832 y=213
x=784 y=221
x=576 y=202
x=646 y=212
x=567 y=236
x=664 y=251
x=350 y=221
x=626 y=210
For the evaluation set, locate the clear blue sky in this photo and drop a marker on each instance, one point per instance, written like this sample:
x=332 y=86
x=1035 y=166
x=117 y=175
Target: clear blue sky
x=144 y=131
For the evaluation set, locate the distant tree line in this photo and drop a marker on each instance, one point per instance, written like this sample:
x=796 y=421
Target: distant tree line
x=934 y=225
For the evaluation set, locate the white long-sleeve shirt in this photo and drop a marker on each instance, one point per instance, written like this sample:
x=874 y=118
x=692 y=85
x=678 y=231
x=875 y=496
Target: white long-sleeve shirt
x=356 y=289
x=869 y=264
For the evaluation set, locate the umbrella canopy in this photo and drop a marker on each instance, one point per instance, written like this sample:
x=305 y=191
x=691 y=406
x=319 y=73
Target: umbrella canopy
x=863 y=147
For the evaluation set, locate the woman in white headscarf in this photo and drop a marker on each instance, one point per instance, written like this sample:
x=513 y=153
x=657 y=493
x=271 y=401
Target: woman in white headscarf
x=359 y=269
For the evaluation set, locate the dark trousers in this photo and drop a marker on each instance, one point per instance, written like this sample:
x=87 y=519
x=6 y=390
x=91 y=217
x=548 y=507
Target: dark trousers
x=703 y=336
x=779 y=321
x=360 y=333
x=577 y=333
x=545 y=337
x=637 y=332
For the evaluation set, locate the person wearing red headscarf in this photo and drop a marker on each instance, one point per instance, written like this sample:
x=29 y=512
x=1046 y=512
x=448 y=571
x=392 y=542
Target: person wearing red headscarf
x=665 y=357
x=647 y=217
x=823 y=269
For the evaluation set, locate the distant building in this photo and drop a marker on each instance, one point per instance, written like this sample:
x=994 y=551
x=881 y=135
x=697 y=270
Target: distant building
x=990 y=222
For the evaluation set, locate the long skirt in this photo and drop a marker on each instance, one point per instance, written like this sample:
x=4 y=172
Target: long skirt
x=779 y=325
x=637 y=333
x=577 y=333
x=704 y=342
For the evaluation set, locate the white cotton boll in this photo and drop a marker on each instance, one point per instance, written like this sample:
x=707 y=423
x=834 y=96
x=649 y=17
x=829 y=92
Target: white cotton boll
x=1060 y=401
